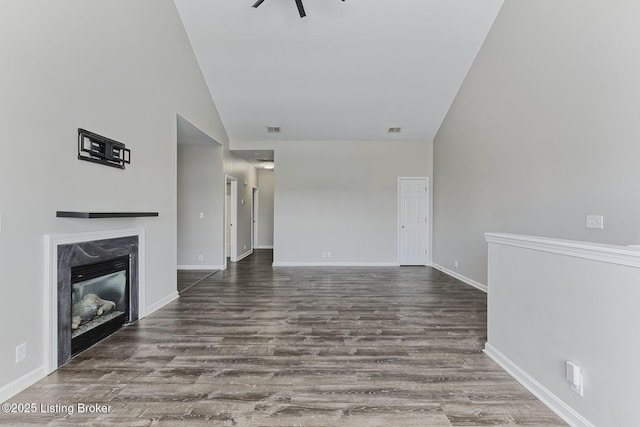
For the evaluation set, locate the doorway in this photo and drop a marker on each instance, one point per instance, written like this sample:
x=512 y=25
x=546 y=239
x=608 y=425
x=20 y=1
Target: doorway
x=200 y=212
x=230 y=210
x=413 y=221
x=254 y=218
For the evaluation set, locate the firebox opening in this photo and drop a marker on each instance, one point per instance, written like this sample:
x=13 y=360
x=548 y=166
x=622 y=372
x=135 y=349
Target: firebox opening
x=99 y=301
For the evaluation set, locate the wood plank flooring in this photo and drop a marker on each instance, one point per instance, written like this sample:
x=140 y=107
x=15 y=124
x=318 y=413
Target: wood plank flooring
x=260 y=346
x=189 y=278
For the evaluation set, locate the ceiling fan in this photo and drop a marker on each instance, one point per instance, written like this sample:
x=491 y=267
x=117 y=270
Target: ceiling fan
x=298 y=3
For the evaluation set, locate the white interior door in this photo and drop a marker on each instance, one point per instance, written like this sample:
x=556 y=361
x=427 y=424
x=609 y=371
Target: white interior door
x=234 y=221
x=228 y=223
x=231 y=219
x=254 y=234
x=413 y=221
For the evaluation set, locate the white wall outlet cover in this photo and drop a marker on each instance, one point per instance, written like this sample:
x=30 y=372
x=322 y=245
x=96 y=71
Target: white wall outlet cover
x=21 y=352
x=595 y=221
x=577 y=388
x=573 y=372
x=574 y=376
x=201 y=215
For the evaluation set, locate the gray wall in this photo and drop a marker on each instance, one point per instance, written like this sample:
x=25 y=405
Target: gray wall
x=122 y=69
x=342 y=197
x=201 y=187
x=202 y=166
x=265 y=206
x=580 y=307
x=543 y=132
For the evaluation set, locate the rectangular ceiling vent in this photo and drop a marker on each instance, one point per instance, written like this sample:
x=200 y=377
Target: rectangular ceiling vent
x=394 y=130
x=273 y=129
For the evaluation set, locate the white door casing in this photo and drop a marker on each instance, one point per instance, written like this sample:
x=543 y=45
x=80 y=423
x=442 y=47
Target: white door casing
x=255 y=209
x=227 y=252
x=231 y=220
x=413 y=221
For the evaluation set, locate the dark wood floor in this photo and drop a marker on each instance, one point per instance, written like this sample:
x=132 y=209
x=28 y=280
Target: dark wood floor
x=260 y=346
x=189 y=278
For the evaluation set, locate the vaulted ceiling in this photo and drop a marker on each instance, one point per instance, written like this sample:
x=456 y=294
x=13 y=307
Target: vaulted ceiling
x=348 y=71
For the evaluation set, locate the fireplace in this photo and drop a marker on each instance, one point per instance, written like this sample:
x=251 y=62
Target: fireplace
x=94 y=289
x=99 y=301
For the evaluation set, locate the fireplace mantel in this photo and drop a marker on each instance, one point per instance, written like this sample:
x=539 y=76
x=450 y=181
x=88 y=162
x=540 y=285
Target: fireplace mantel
x=91 y=215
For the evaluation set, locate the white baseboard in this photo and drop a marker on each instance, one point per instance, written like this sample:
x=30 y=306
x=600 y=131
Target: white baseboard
x=244 y=255
x=554 y=403
x=335 y=264
x=159 y=304
x=265 y=247
x=27 y=380
x=201 y=267
x=462 y=278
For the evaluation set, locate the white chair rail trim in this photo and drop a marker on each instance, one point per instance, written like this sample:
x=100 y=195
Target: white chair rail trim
x=622 y=255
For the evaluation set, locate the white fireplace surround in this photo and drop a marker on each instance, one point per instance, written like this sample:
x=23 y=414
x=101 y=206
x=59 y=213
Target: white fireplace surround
x=52 y=242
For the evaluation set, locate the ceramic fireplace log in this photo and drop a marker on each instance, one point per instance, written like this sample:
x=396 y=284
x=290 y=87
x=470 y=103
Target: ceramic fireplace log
x=90 y=307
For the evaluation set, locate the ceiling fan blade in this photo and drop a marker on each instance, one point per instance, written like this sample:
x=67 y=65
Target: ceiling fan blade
x=298 y=3
x=300 y=8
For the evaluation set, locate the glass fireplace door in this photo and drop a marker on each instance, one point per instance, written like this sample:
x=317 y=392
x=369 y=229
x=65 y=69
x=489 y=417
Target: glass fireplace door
x=100 y=301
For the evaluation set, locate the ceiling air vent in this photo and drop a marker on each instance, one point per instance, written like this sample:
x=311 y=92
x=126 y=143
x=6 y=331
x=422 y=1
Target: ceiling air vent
x=273 y=129
x=394 y=130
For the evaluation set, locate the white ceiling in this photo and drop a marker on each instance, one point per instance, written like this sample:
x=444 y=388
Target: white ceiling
x=256 y=158
x=348 y=71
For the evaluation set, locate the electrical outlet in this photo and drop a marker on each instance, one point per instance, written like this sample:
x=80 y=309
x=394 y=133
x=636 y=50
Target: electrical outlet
x=574 y=376
x=328 y=254
x=201 y=215
x=595 y=221
x=21 y=352
x=244 y=247
x=200 y=258
x=455 y=263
